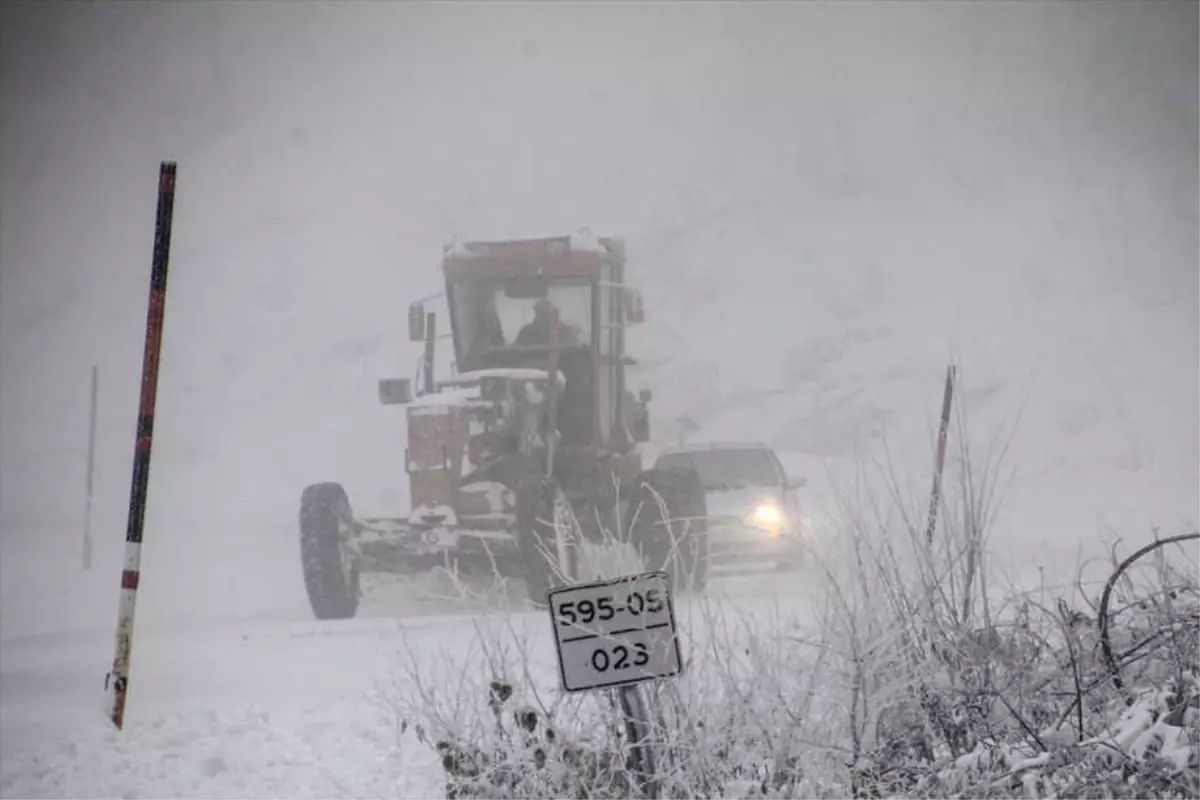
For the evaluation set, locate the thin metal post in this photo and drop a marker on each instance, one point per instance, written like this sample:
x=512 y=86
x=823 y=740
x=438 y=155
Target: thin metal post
x=91 y=467
x=940 y=459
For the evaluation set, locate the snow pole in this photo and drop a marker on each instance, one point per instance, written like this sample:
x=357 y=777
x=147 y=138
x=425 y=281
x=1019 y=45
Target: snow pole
x=117 y=681
x=91 y=468
x=940 y=458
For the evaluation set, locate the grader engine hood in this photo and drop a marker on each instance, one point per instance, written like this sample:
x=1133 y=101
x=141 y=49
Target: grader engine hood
x=471 y=424
x=437 y=437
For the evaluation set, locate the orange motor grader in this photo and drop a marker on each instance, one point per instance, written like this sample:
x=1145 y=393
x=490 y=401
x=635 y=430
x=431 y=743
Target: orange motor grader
x=529 y=446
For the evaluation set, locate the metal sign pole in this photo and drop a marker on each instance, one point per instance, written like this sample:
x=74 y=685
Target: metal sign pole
x=637 y=731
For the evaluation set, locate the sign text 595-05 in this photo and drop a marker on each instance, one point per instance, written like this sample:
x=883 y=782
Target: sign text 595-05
x=605 y=608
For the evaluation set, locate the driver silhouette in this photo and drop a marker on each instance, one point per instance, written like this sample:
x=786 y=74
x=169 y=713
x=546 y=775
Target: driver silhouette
x=537 y=331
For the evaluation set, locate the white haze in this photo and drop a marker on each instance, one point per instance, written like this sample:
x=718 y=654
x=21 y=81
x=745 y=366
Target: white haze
x=823 y=203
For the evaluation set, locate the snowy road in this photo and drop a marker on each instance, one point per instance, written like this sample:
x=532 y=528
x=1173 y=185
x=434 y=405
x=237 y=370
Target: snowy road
x=250 y=708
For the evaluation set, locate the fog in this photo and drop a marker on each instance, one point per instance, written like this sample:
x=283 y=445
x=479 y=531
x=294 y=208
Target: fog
x=823 y=205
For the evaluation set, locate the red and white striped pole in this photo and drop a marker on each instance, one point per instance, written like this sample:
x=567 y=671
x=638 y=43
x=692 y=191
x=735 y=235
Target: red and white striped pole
x=118 y=680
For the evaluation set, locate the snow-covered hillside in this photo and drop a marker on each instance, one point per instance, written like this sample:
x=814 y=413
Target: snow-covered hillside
x=823 y=204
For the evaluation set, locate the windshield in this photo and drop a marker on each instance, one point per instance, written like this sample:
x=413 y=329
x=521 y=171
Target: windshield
x=728 y=469
x=487 y=315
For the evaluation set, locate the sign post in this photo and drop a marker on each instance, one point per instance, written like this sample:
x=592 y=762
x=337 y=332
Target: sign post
x=616 y=634
x=637 y=731
x=940 y=459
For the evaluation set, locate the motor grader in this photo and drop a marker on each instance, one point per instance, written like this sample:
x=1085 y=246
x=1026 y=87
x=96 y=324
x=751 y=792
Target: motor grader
x=529 y=448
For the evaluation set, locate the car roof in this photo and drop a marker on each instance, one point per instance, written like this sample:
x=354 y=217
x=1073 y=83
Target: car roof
x=703 y=447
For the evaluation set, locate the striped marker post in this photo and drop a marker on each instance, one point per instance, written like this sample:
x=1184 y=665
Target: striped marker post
x=118 y=680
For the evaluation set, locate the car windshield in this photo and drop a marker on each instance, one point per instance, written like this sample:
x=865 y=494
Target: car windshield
x=728 y=468
x=490 y=315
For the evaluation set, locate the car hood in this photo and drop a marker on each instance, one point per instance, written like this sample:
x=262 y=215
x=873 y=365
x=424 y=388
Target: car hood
x=739 y=502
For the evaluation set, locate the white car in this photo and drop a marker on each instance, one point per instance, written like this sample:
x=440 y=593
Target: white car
x=754 y=519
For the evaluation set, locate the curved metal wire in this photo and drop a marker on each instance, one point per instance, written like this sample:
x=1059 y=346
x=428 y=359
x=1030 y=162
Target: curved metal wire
x=1105 y=644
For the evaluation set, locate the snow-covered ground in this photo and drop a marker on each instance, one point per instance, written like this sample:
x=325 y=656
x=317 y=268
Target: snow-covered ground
x=225 y=710
x=269 y=705
x=823 y=204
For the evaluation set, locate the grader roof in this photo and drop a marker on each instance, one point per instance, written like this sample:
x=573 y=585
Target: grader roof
x=556 y=257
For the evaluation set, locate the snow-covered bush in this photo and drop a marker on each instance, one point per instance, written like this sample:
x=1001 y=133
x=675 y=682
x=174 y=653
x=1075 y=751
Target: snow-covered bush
x=958 y=689
x=906 y=672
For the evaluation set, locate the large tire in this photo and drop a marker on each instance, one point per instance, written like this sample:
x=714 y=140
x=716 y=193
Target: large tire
x=331 y=573
x=675 y=542
x=543 y=515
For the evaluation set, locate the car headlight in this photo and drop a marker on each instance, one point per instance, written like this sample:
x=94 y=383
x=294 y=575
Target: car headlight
x=770 y=518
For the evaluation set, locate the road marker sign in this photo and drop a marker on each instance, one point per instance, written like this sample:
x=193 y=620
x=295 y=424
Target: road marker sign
x=615 y=633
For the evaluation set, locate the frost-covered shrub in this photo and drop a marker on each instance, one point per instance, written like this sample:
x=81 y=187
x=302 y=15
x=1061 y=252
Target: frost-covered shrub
x=768 y=708
x=907 y=674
